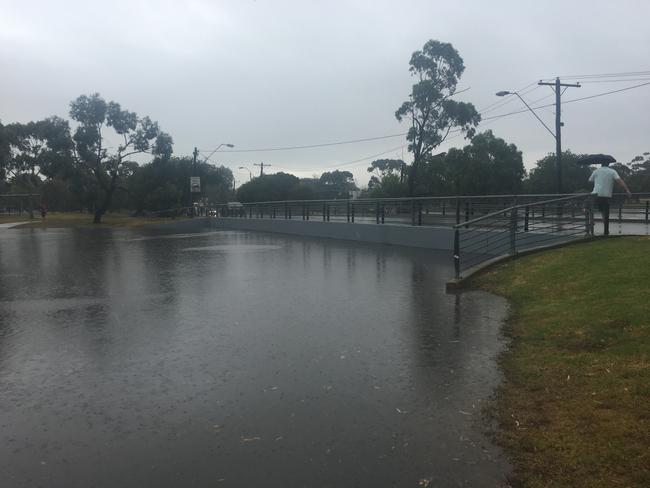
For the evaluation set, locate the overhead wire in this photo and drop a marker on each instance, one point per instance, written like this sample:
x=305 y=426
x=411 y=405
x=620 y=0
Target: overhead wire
x=458 y=132
x=309 y=146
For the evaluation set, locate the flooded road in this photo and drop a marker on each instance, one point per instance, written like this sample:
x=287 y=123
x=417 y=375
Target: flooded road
x=136 y=358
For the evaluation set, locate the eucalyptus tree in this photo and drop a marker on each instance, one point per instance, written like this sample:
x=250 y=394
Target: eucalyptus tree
x=134 y=135
x=35 y=152
x=430 y=108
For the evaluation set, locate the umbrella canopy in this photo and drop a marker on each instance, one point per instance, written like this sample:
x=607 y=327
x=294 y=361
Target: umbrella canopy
x=595 y=159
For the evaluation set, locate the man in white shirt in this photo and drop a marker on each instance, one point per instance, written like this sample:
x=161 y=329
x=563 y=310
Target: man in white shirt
x=603 y=179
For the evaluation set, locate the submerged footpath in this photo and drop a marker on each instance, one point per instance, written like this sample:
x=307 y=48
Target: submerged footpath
x=573 y=408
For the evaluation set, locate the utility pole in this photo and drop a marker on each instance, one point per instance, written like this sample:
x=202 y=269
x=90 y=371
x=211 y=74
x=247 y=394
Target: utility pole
x=261 y=165
x=195 y=155
x=556 y=85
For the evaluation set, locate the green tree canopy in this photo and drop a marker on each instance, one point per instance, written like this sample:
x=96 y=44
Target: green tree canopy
x=164 y=184
x=266 y=188
x=542 y=178
x=488 y=165
x=137 y=136
x=430 y=107
x=338 y=183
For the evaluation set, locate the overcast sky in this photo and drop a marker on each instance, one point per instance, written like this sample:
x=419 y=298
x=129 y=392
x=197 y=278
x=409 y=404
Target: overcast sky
x=272 y=73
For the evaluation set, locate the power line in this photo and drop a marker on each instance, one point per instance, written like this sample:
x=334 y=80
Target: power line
x=485 y=121
x=309 y=146
x=349 y=163
x=627 y=80
x=606 y=75
x=569 y=101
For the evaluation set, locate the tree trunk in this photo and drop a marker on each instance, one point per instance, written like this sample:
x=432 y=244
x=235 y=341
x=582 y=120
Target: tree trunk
x=411 y=178
x=103 y=208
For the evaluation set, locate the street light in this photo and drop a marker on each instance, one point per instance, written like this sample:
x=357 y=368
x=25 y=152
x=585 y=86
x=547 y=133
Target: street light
x=504 y=93
x=218 y=147
x=558 y=156
x=250 y=174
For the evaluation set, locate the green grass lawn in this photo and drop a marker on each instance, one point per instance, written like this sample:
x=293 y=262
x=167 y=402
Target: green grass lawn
x=574 y=409
x=56 y=219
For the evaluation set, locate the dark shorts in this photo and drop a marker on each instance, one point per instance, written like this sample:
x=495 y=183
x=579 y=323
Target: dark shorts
x=602 y=204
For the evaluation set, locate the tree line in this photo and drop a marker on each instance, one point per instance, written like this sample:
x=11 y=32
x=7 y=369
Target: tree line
x=111 y=159
x=106 y=157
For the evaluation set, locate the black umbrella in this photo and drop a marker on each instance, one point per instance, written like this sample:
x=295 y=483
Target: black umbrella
x=595 y=159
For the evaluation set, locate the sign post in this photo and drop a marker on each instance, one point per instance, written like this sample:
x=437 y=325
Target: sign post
x=195 y=187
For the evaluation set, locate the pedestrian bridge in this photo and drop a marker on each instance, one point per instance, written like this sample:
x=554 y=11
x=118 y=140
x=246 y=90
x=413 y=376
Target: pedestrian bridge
x=473 y=228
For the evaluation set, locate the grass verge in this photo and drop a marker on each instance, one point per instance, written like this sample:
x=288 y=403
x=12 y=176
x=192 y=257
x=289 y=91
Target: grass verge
x=574 y=409
x=55 y=219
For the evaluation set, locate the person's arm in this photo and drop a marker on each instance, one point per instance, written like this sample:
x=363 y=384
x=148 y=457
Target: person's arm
x=622 y=184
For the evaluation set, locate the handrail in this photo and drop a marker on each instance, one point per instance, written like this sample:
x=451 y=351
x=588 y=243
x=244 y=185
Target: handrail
x=521 y=205
x=434 y=198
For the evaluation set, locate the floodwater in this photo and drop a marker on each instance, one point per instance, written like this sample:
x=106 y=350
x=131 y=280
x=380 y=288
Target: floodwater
x=132 y=358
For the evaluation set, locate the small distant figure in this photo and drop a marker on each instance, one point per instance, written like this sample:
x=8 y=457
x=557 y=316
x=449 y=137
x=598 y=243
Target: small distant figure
x=603 y=179
x=43 y=210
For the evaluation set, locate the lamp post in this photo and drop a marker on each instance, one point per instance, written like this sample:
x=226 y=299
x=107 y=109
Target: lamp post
x=250 y=174
x=218 y=147
x=558 y=126
x=195 y=155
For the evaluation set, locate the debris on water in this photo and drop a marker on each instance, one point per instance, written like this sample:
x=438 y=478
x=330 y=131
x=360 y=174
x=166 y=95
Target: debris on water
x=250 y=439
x=424 y=482
x=401 y=412
x=464 y=413
x=278 y=438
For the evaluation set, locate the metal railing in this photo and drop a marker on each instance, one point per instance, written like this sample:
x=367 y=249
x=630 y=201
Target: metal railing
x=419 y=211
x=521 y=227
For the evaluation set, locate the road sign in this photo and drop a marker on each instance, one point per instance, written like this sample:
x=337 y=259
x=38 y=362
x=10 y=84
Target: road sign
x=195 y=184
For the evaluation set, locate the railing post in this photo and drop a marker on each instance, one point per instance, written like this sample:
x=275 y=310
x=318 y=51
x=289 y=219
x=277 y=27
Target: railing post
x=352 y=212
x=466 y=210
x=457 y=252
x=250 y=212
x=588 y=217
x=526 y=217
x=647 y=208
x=513 y=231
x=273 y=212
x=620 y=211
x=307 y=211
x=419 y=213
x=377 y=212
x=383 y=214
x=457 y=211
x=324 y=212
x=443 y=208
x=289 y=209
x=261 y=211
x=347 y=211
x=412 y=212
x=327 y=208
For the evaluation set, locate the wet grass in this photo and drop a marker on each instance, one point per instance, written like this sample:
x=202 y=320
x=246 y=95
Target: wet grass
x=56 y=220
x=574 y=409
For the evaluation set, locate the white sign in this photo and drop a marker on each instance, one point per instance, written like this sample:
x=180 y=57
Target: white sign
x=195 y=184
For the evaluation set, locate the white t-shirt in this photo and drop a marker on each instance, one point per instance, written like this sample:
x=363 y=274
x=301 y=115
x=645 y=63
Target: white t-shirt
x=603 y=179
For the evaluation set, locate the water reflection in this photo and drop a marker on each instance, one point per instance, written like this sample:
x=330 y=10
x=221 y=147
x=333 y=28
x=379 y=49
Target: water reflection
x=128 y=360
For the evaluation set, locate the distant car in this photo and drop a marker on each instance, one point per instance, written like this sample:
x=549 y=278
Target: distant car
x=212 y=213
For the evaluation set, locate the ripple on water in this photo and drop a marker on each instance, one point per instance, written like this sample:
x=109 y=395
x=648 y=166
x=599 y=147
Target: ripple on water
x=236 y=248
